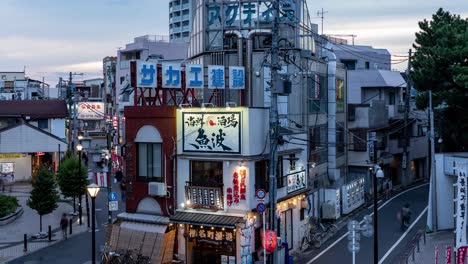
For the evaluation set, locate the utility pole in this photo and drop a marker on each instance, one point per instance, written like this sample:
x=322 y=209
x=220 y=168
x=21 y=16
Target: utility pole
x=406 y=131
x=109 y=169
x=320 y=14
x=432 y=168
x=274 y=121
x=73 y=93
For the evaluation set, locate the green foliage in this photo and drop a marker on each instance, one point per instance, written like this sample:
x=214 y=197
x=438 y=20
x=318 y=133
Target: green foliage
x=440 y=64
x=72 y=179
x=8 y=205
x=44 y=195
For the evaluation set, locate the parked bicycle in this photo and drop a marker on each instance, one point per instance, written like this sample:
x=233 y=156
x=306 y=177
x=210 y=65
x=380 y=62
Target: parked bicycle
x=314 y=234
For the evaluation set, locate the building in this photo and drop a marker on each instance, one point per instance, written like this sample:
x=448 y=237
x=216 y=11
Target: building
x=32 y=133
x=180 y=17
x=376 y=116
x=16 y=86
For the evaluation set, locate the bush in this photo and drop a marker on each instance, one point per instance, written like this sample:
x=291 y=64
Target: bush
x=8 y=205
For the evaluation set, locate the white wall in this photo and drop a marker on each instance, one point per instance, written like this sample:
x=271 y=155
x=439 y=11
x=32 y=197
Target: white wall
x=23 y=168
x=57 y=127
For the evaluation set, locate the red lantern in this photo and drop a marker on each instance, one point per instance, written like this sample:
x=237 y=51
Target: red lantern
x=269 y=240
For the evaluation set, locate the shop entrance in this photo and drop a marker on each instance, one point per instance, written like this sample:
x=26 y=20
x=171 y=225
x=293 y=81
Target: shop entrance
x=211 y=245
x=41 y=158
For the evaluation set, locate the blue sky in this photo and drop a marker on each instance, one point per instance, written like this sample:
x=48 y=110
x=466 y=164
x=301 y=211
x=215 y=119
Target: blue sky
x=52 y=37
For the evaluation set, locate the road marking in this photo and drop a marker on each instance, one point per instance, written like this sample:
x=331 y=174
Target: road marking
x=403 y=236
x=346 y=234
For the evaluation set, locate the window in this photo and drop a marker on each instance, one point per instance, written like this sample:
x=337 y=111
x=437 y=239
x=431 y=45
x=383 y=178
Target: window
x=349 y=64
x=317 y=94
x=149 y=161
x=367 y=65
x=261 y=175
x=206 y=173
x=391 y=98
x=318 y=144
x=43 y=123
x=358 y=140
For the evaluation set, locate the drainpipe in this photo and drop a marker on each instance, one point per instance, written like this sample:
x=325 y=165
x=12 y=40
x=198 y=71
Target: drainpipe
x=240 y=38
x=248 y=66
x=332 y=173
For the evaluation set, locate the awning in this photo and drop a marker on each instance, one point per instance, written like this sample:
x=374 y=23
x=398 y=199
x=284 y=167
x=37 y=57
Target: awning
x=215 y=220
x=153 y=228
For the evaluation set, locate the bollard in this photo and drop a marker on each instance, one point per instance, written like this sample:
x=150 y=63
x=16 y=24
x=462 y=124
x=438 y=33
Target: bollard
x=406 y=258
x=50 y=233
x=424 y=237
x=413 y=253
x=417 y=249
x=25 y=241
x=71 y=226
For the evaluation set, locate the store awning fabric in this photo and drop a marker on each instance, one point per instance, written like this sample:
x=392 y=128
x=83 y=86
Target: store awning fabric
x=215 y=220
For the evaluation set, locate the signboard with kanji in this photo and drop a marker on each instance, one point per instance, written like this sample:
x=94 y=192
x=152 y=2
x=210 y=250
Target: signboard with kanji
x=461 y=207
x=297 y=181
x=90 y=110
x=213 y=236
x=217 y=132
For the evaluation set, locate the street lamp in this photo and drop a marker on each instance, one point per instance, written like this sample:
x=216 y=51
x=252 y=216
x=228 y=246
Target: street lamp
x=93 y=190
x=79 y=148
x=377 y=173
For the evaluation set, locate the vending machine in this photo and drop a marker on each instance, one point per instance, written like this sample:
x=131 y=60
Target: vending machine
x=352 y=195
x=331 y=204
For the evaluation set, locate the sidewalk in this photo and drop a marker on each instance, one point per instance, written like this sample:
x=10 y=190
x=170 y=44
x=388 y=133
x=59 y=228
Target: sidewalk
x=11 y=238
x=427 y=251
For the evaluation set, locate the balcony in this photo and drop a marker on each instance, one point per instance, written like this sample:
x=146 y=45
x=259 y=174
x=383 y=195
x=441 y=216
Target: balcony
x=204 y=196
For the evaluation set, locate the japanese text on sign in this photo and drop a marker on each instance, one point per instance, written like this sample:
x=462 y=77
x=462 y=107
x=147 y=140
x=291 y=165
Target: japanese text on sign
x=212 y=132
x=297 y=181
x=461 y=207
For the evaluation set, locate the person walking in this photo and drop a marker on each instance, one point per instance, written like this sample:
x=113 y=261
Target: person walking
x=405 y=215
x=64 y=225
x=123 y=188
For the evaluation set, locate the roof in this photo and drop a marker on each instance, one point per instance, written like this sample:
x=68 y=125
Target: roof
x=215 y=220
x=34 y=108
x=374 y=78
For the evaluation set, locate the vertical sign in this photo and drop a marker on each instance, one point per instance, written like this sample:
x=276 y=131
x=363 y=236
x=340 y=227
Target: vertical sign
x=448 y=255
x=372 y=137
x=461 y=207
x=461 y=255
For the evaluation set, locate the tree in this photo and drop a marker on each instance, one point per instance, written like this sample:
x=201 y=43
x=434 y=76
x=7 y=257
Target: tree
x=72 y=179
x=440 y=64
x=44 y=195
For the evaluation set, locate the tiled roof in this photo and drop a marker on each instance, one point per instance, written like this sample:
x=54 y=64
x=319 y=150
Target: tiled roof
x=34 y=108
x=206 y=219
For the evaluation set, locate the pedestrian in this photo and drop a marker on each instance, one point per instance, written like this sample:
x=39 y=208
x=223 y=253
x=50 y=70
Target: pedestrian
x=119 y=176
x=405 y=215
x=123 y=188
x=388 y=189
x=64 y=225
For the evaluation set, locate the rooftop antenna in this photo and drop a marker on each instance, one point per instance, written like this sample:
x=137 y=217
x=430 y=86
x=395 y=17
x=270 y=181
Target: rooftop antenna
x=320 y=14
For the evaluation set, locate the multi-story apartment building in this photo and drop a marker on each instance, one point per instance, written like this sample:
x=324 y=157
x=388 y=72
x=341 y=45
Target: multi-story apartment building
x=180 y=20
x=16 y=86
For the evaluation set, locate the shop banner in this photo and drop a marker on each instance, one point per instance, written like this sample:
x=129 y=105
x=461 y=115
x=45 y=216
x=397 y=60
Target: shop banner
x=461 y=255
x=100 y=178
x=448 y=255
x=461 y=207
x=436 y=254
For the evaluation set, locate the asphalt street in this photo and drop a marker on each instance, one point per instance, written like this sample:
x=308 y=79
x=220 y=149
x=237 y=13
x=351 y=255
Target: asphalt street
x=392 y=241
x=77 y=249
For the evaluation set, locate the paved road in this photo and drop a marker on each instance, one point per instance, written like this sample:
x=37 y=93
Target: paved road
x=77 y=249
x=389 y=233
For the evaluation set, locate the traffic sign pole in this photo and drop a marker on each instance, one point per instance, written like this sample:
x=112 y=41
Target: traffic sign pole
x=264 y=239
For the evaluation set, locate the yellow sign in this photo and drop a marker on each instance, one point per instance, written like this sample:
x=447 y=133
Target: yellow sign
x=10 y=155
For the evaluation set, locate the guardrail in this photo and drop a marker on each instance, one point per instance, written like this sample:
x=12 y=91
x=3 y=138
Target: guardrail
x=409 y=254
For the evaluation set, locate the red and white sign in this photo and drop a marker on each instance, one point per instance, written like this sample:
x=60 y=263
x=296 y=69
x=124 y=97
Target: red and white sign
x=90 y=110
x=448 y=255
x=100 y=178
x=461 y=255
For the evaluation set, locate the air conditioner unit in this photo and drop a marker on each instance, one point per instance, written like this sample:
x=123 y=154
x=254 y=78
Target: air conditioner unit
x=157 y=189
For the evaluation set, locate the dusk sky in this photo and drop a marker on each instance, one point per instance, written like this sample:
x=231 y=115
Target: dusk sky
x=53 y=37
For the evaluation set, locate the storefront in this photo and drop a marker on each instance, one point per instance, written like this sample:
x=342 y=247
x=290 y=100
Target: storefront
x=208 y=238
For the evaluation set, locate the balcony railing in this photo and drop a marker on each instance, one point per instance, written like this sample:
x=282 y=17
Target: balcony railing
x=204 y=195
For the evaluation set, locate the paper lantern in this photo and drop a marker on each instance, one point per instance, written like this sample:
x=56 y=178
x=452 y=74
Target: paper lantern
x=269 y=240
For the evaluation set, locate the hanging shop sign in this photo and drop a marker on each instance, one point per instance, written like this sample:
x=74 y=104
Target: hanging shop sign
x=372 y=138
x=91 y=110
x=269 y=240
x=461 y=207
x=297 y=181
x=218 y=132
x=171 y=76
x=213 y=236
